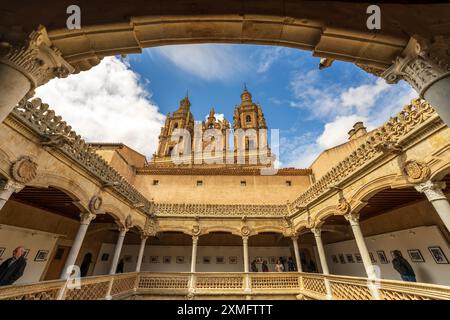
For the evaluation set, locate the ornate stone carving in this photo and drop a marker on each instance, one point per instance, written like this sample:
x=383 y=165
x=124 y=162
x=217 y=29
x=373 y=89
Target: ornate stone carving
x=37 y=116
x=371 y=69
x=196 y=230
x=36 y=58
x=87 y=217
x=416 y=171
x=410 y=118
x=353 y=218
x=150 y=228
x=343 y=207
x=24 y=169
x=128 y=222
x=245 y=231
x=423 y=63
x=95 y=204
x=432 y=190
x=317 y=231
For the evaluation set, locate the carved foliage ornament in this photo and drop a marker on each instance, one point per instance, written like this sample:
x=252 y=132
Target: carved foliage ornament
x=128 y=222
x=195 y=230
x=343 y=207
x=245 y=231
x=416 y=171
x=24 y=170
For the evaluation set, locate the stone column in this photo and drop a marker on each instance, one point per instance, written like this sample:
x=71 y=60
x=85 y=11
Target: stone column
x=118 y=249
x=323 y=261
x=194 y=253
x=85 y=221
x=245 y=246
x=425 y=65
x=25 y=65
x=7 y=188
x=353 y=218
x=141 y=252
x=297 y=254
x=434 y=194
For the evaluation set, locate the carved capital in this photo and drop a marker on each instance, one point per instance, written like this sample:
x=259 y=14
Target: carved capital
x=432 y=190
x=87 y=217
x=95 y=204
x=24 y=169
x=343 y=207
x=317 y=231
x=150 y=228
x=245 y=231
x=194 y=240
x=416 y=171
x=36 y=58
x=423 y=63
x=9 y=185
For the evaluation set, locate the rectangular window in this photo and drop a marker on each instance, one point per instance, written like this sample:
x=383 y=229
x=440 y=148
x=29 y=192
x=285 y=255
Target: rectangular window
x=288 y=183
x=199 y=183
x=243 y=183
x=155 y=182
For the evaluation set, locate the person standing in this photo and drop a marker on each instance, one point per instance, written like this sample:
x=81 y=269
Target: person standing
x=253 y=266
x=279 y=266
x=120 y=266
x=291 y=264
x=12 y=269
x=403 y=267
x=265 y=267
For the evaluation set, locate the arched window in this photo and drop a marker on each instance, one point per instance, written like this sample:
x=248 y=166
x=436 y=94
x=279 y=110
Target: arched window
x=175 y=125
x=248 y=119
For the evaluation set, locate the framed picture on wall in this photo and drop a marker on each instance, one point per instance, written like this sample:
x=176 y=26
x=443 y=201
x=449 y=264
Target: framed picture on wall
x=372 y=257
x=206 y=260
x=180 y=259
x=272 y=260
x=438 y=255
x=334 y=258
x=232 y=260
x=41 y=255
x=154 y=259
x=349 y=257
x=220 y=260
x=358 y=258
x=105 y=257
x=415 y=255
x=167 y=259
x=341 y=258
x=25 y=253
x=2 y=250
x=382 y=257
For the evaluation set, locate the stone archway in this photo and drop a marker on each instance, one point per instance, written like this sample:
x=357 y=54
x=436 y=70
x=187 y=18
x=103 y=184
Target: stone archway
x=417 y=53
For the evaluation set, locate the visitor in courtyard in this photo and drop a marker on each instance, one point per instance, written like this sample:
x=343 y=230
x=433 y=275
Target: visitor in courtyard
x=253 y=266
x=265 y=267
x=12 y=269
x=279 y=266
x=283 y=263
x=291 y=264
x=120 y=266
x=403 y=267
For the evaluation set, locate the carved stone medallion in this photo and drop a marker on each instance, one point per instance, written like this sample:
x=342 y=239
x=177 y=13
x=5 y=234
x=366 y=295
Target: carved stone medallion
x=343 y=207
x=24 y=170
x=416 y=171
x=95 y=204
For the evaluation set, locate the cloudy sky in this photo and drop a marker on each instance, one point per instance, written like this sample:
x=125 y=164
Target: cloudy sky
x=127 y=99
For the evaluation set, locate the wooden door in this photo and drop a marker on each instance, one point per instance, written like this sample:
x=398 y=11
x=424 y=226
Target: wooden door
x=57 y=264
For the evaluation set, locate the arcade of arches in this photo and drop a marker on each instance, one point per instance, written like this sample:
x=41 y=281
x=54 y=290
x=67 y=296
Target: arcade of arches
x=105 y=208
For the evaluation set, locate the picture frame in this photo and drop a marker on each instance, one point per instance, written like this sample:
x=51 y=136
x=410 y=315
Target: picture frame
x=154 y=259
x=334 y=258
x=382 y=257
x=349 y=257
x=438 y=255
x=232 y=260
x=41 y=256
x=2 y=250
x=220 y=260
x=358 y=258
x=180 y=259
x=415 y=255
x=206 y=260
x=341 y=258
x=105 y=257
x=25 y=253
x=272 y=260
x=167 y=259
x=372 y=257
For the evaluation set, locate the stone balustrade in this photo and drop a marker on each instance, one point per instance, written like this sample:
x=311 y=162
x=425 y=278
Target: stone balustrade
x=219 y=284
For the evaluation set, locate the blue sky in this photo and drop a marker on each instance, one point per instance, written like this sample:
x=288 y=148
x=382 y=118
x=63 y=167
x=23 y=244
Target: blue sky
x=126 y=99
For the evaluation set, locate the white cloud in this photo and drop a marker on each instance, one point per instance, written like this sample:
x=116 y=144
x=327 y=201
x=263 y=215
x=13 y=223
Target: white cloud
x=206 y=61
x=268 y=57
x=219 y=116
x=336 y=132
x=107 y=104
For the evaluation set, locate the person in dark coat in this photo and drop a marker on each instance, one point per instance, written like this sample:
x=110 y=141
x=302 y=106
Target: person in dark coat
x=291 y=264
x=403 y=267
x=264 y=266
x=12 y=269
x=120 y=266
x=253 y=266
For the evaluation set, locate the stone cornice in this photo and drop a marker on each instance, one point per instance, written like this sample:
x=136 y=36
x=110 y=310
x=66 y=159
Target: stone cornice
x=219 y=210
x=375 y=146
x=225 y=171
